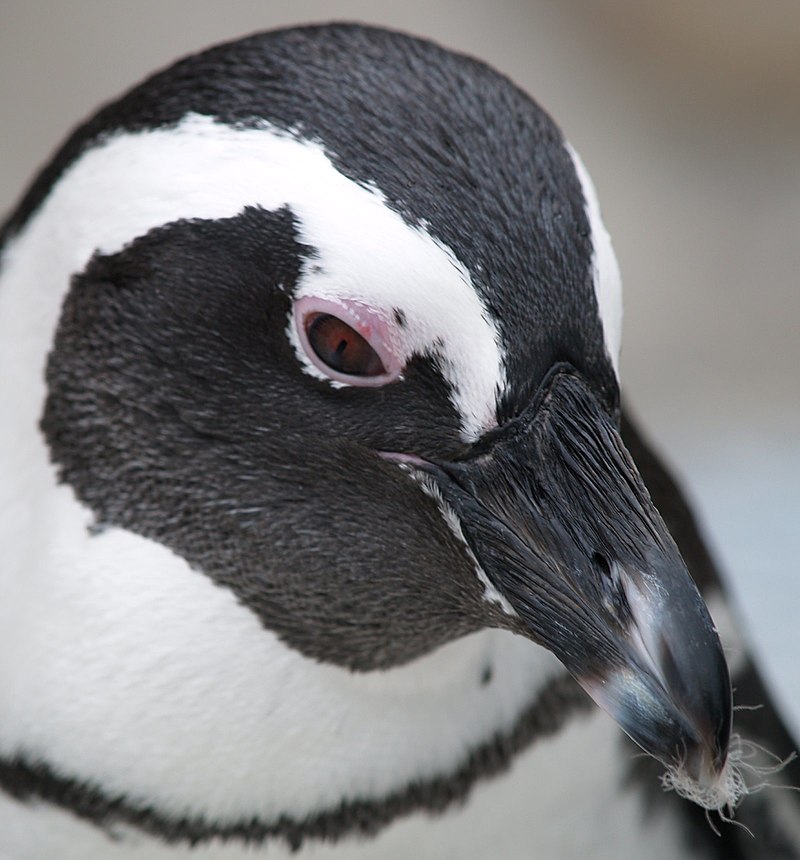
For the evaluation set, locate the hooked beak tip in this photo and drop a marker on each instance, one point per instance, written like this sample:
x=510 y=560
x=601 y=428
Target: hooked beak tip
x=672 y=694
x=630 y=700
x=691 y=744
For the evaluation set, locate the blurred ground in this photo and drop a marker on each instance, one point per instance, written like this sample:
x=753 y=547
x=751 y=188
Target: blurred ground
x=688 y=116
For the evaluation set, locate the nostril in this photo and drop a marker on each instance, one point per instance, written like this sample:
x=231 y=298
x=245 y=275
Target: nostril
x=602 y=564
x=611 y=589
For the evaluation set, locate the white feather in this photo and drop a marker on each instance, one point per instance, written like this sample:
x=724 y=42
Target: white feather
x=605 y=269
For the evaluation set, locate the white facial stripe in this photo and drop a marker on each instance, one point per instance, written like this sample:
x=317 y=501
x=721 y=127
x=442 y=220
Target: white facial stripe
x=605 y=269
x=490 y=593
x=366 y=252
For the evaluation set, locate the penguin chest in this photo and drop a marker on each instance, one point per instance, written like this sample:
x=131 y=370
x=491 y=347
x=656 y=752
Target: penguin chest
x=564 y=797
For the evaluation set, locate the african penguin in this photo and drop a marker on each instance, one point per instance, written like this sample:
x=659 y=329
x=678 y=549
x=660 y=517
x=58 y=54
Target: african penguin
x=320 y=514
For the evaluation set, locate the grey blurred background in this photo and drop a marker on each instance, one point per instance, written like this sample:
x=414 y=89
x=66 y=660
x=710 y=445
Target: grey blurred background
x=686 y=113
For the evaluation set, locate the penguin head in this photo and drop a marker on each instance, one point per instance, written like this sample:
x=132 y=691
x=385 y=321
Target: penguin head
x=330 y=316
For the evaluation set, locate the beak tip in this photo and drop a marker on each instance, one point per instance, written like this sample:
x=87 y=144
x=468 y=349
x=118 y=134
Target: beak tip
x=710 y=782
x=693 y=747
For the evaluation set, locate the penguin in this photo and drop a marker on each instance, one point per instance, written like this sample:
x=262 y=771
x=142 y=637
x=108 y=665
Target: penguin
x=325 y=530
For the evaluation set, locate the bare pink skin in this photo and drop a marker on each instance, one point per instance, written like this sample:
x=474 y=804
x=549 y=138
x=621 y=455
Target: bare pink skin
x=373 y=325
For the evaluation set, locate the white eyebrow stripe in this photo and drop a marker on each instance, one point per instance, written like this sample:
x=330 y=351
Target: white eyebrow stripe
x=605 y=269
x=202 y=169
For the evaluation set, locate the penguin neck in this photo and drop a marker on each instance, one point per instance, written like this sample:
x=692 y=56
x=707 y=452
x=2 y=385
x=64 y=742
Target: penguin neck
x=140 y=677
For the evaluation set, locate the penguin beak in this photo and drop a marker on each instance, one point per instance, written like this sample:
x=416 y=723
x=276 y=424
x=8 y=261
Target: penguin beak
x=558 y=517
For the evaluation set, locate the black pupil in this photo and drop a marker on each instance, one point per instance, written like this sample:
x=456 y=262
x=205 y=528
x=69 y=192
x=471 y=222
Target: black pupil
x=341 y=347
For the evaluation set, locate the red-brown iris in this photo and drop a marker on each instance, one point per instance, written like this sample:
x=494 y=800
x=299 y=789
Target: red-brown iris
x=340 y=347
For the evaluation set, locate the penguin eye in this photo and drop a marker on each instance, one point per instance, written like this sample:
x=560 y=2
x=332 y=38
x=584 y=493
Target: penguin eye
x=340 y=347
x=348 y=341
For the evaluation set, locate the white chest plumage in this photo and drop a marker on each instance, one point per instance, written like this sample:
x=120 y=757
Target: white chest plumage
x=563 y=799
